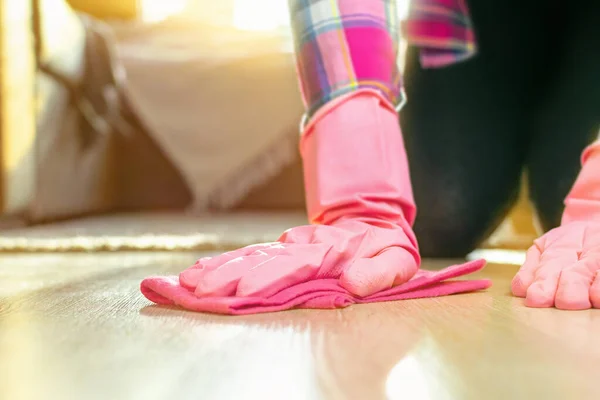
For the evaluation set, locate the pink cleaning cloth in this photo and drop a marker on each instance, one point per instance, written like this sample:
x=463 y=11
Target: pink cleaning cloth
x=316 y=294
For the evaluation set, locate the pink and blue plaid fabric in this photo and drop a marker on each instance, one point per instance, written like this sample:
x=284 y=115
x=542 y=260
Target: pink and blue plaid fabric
x=347 y=45
x=442 y=29
x=344 y=46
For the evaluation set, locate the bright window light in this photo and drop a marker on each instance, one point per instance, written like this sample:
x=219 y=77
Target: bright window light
x=158 y=10
x=251 y=15
x=260 y=15
x=402 y=6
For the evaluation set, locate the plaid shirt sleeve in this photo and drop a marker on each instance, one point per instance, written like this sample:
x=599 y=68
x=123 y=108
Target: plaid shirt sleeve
x=442 y=29
x=346 y=45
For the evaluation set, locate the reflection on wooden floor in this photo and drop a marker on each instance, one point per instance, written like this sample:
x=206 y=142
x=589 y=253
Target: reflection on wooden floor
x=74 y=326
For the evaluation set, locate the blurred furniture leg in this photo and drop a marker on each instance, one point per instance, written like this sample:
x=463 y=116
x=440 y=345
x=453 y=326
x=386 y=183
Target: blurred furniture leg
x=17 y=126
x=72 y=177
x=90 y=162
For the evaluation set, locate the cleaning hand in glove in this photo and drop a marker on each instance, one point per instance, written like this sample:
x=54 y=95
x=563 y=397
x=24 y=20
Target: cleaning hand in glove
x=359 y=200
x=562 y=268
x=360 y=246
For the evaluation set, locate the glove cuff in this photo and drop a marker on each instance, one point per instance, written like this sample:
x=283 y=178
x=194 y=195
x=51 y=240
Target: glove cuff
x=583 y=201
x=355 y=164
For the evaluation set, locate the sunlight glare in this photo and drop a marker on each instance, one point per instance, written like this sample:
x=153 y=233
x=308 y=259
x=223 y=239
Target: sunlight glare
x=260 y=15
x=158 y=10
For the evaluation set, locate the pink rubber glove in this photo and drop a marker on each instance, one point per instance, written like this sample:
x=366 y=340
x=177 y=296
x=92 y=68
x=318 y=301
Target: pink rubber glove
x=562 y=268
x=359 y=200
x=318 y=293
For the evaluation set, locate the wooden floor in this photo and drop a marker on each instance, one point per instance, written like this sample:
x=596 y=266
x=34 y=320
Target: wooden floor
x=74 y=326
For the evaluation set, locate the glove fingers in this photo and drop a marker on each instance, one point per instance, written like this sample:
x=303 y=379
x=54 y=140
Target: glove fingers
x=393 y=266
x=191 y=277
x=541 y=293
x=524 y=278
x=298 y=263
x=595 y=291
x=223 y=280
x=573 y=291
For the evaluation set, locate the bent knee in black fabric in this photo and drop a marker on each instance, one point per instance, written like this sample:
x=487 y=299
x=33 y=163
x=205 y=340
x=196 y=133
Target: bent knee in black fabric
x=460 y=205
x=465 y=128
x=567 y=116
x=465 y=157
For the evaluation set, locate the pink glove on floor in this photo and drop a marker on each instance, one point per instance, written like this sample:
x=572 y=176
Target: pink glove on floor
x=359 y=200
x=562 y=268
x=318 y=293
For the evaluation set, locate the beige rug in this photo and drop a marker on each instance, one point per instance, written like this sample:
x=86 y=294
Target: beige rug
x=171 y=233
x=151 y=232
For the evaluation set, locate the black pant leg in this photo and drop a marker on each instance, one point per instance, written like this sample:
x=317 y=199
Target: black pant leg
x=567 y=116
x=465 y=130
